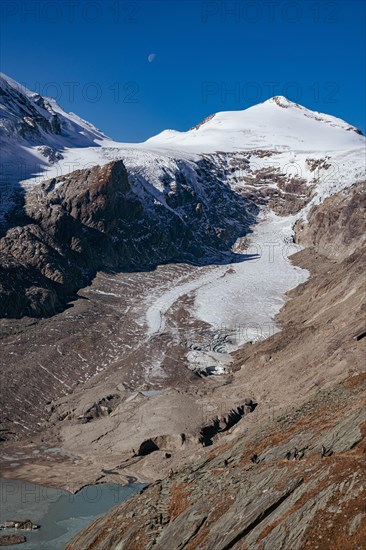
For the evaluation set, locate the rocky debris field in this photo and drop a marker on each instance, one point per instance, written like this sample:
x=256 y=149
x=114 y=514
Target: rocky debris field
x=227 y=501
x=291 y=474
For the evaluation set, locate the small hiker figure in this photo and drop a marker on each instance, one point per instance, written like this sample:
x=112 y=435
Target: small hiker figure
x=255 y=459
x=323 y=452
x=226 y=462
x=288 y=455
x=171 y=472
x=296 y=453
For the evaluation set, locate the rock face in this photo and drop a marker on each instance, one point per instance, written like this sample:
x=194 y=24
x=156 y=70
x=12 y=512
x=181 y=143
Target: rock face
x=72 y=226
x=335 y=228
x=223 y=500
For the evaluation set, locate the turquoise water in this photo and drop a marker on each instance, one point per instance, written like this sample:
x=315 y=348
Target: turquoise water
x=60 y=514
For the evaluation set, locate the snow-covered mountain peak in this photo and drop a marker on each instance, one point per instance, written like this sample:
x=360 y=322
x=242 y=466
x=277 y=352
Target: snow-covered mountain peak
x=281 y=101
x=284 y=103
x=29 y=119
x=7 y=82
x=35 y=133
x=276 y=124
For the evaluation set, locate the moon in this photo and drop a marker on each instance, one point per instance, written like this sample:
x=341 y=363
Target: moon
x=151 y=57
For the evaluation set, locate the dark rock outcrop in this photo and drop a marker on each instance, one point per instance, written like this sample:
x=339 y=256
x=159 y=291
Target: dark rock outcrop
x=72 y=226
x=336 y=228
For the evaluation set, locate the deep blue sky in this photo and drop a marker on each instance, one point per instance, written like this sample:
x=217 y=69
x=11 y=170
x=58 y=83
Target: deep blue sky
x=312 y=52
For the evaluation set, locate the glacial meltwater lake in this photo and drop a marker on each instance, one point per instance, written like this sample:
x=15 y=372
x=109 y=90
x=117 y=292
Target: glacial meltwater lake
x=60 y=514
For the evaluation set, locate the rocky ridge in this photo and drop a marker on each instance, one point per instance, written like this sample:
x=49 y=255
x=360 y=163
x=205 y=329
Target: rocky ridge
x=72 y=226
